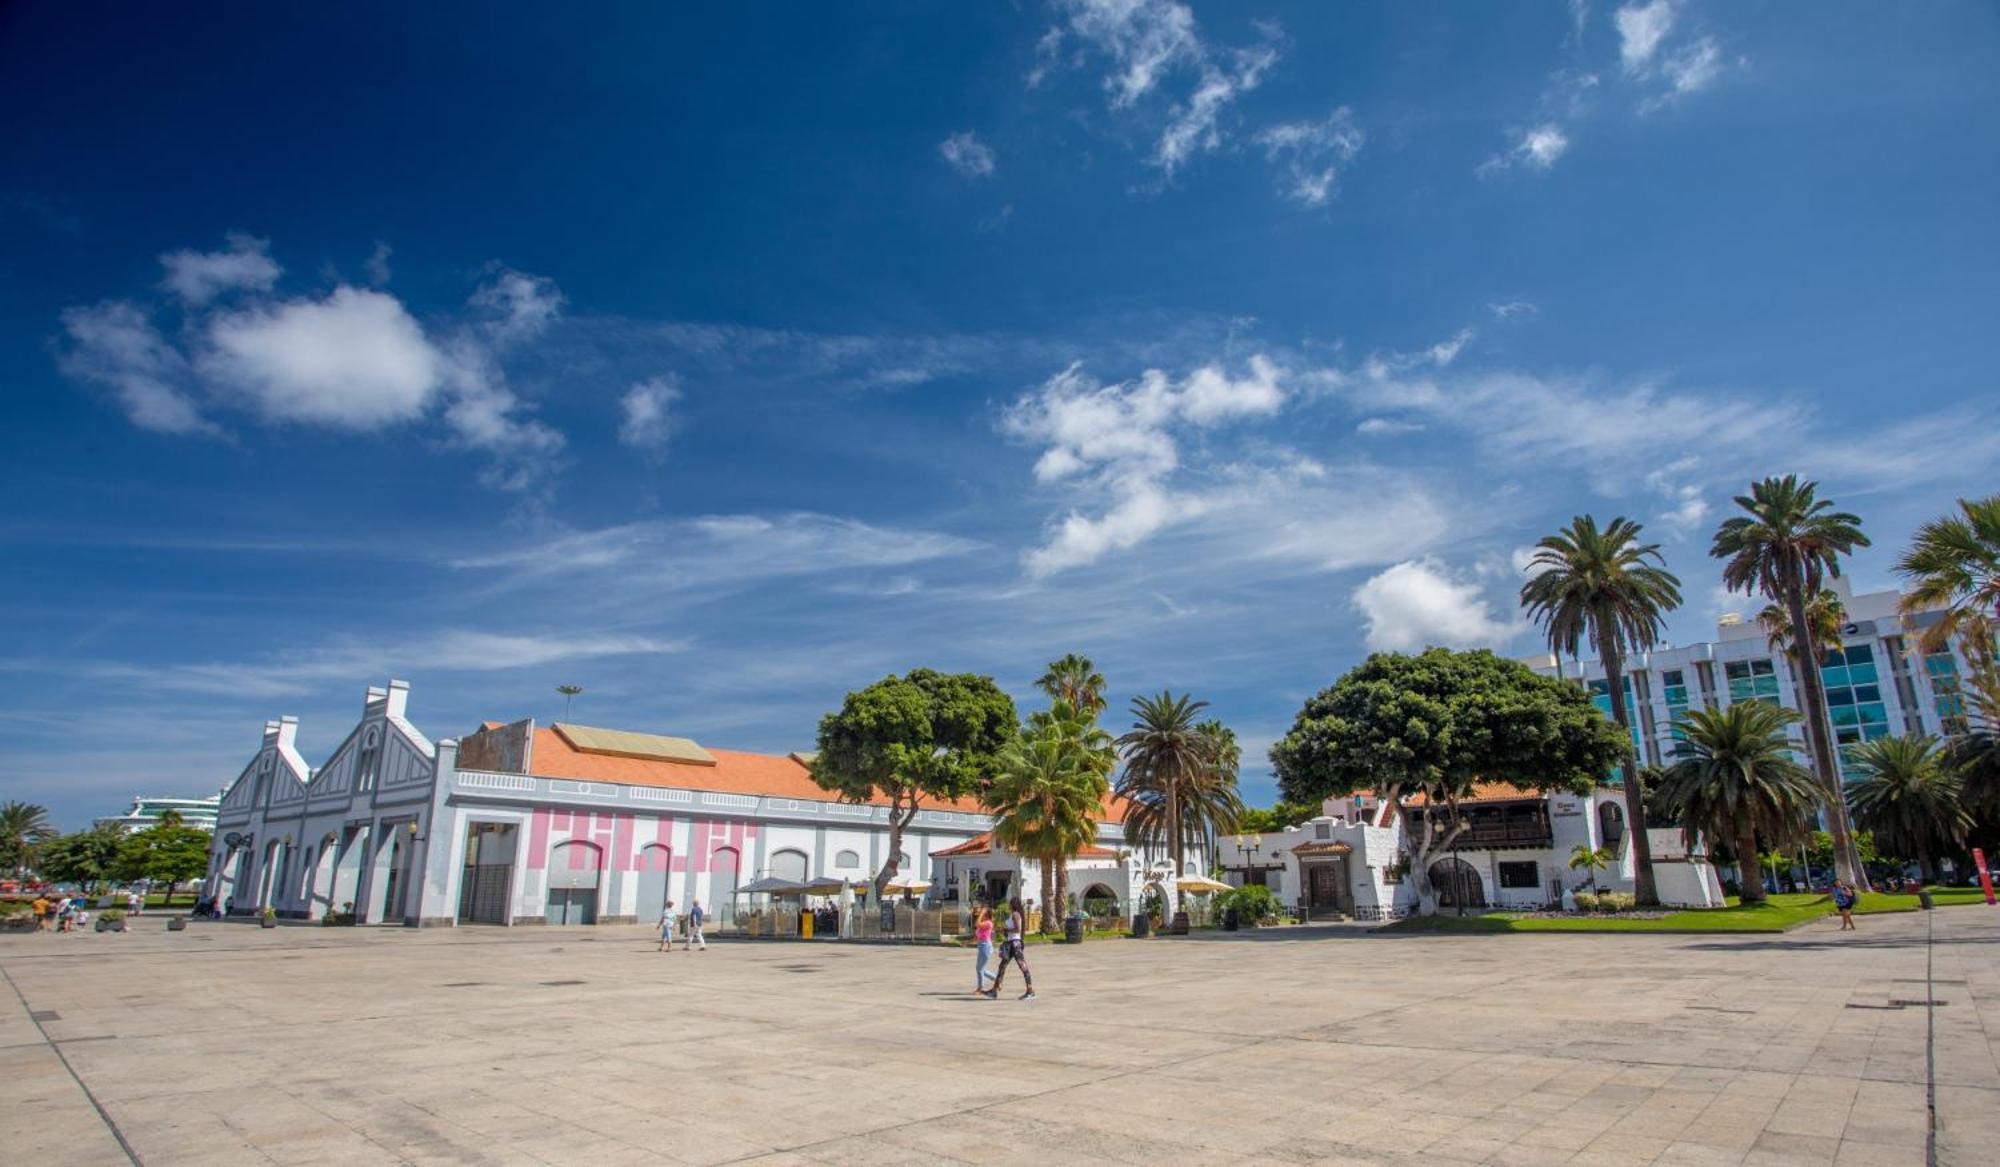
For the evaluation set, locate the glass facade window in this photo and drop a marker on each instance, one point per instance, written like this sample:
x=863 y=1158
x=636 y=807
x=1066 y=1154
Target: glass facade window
x=1751 y=680
x=1673 y=685
x=1600 y=696
x=1853 y=696
x=1942 y=668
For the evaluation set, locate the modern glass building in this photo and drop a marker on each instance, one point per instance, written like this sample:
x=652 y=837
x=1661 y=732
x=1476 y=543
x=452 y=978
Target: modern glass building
x=1878 y=682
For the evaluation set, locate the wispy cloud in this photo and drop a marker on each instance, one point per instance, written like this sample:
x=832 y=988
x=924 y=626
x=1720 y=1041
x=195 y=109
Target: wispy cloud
x=199 y=276
x=1536 y=148
x=1312 y=154
x=966 y=154
x=647 y=414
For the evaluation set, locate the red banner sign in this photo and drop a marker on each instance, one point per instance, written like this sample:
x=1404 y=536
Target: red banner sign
x=1985 y=876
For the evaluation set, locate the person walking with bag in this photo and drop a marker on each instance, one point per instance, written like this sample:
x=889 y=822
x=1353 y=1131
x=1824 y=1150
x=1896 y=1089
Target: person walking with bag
x=695 y=918
x=1014 y=951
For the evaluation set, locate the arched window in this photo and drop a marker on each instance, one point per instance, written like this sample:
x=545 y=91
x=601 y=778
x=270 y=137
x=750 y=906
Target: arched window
x=789 y=865
x=1457 y=884
x=369 y=760
x=847 y=859
x=1611 y=824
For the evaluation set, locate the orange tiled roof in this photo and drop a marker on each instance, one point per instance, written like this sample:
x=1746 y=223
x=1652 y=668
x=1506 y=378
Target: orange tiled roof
x=982 y=844
x=1484 y=792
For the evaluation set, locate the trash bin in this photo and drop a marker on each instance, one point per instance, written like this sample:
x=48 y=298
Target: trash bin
x=1924 y=898
x=1073 y=930
x=1229 y=919
x=1142 y=926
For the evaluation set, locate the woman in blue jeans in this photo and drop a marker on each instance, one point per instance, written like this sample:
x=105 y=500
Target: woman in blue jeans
x=1014 y=951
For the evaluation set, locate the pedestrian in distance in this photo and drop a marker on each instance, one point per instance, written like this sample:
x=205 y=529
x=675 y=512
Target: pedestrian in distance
x=666 y=928
x=695 y=918
x=1014 y=951
x=1843 y=902
x=982 y=935
x=43 y=907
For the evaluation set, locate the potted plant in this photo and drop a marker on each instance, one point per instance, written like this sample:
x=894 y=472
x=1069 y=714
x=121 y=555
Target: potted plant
x=268 y=918
x=177 y=923
x=111 y=920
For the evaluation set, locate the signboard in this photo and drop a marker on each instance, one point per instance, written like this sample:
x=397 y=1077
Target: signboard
x=1567 y=807
x=1985 y=876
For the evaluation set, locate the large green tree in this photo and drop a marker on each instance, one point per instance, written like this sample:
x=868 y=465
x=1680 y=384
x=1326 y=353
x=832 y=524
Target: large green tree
x=1733 y=778
x=24 y=827
x=1604 y=585
x=1825 y=612
x=1785 y=545
x=1906 y=793
x=1434 y=724
x=1259 y=820
x=923 y=735
x=166 y=853
x=1047 y=790
x=88 y=858
x=1076 y=697
x=1075 y=679
x=1179 y=781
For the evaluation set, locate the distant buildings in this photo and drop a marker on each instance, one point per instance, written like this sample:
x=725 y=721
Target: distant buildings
x=146 y=812
x=1879 y=683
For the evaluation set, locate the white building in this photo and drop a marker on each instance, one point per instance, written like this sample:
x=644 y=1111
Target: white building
x=1514 y=853
x=146 y=812
x=1879 y=682
x=563 y=824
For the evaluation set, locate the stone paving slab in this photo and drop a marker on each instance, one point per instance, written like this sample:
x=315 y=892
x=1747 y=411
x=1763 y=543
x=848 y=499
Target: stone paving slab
x=233 y=1044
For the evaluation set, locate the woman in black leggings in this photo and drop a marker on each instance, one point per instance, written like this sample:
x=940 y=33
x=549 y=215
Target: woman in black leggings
x=1013 y=951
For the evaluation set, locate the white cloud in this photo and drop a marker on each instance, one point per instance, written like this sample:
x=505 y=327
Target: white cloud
x=1313 y=153
x=1144 y=38
x=968 y=155
x=1688 y=507
x=355 y=359
x=1445 y=352
x=518 y=306
x=378 y=263
x=1689 y=69
x=1537 y=148
x=1511 y=309
x=1419 y=603
x=1523 y=561
x=1377 y=427
x=1641 y=28
x=648 y=413
x=1119 y=439
x=1148 y=40
x=483 y=413
x=199 y=276
x=114 y=344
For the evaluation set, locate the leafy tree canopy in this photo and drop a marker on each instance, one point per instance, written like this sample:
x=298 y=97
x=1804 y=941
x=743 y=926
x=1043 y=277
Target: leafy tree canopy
x=89 y=858
x=167 y=853
x=925 y=732
x=1257 y=820
x=1437 y=722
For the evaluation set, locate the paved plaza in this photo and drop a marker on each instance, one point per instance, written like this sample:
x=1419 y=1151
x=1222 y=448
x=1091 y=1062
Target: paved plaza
x=232 y=1044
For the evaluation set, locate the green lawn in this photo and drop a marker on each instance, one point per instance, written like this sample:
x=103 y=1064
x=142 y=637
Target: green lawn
x=1777 y=914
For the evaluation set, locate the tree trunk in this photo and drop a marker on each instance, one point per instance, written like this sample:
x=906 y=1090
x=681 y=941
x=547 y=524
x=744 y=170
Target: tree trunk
x=1174 y=851
x=899 y=819
x=1062 y=889
x=1819 y=736
x=1049 y=894
x=1748 y=869
x=1644 y=894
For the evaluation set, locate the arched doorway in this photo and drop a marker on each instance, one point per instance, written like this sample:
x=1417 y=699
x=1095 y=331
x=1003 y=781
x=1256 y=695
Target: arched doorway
x=392 y=857
x=575 y=870
x=789 y=865
x=656 y=861
x=1100 y=902
x=347 y=871
x=724 y=865
x=1610 y=825
x=1457 y=884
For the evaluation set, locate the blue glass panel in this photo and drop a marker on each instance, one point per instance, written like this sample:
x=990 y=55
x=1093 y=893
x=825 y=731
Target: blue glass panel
x=1859 y=654
x=1867 y=692
x=1862 y=674
x=1873 y=712
x=1836 y=697
x=1844 y=716
x=1834 y=677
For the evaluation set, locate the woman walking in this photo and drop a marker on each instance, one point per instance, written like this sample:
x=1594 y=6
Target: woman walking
x=1844 y=899
x=982 y=933
x=667 y=928
x=1014 y=951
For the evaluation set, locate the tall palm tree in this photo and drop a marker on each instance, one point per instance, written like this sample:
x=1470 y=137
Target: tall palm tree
x=1909 y=798
x=24 y=827
x=1954 y=564
x=1616 y=591
x=1045 y=796
x=1733 y=778
x=1092 y=753
x=1785 y=545
x=1825 y=613
x=1075 y=680
x=1179 y=780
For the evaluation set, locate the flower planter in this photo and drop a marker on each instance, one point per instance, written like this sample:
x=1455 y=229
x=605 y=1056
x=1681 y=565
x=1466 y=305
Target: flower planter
x=177 y=924
x=267 y=922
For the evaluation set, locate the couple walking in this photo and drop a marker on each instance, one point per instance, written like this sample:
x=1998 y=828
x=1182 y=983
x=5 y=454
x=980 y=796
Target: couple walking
x=691 y=924
x=1012 y=951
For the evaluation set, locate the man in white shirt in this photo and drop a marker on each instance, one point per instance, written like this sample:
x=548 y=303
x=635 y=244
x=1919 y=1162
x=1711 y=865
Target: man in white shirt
x=695 y=918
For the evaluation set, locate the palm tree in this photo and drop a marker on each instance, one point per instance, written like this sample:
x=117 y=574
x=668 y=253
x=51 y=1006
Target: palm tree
x=1733 y=778
x=24 y=827
x=1179 y=780
x=1616 y=591
x=1045 y=796
x=1075 y=680
x=1585 y=857
x=1954 y=564
x=1825 y=613
x=1909 y=798
x=1785 y=546
x=569 y=693
x=1092 y=752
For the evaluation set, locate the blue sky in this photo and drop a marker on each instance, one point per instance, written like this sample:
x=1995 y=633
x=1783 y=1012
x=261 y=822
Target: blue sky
x=723 y=365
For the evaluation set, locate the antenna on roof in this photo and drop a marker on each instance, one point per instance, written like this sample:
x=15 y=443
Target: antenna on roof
x=569 y=693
